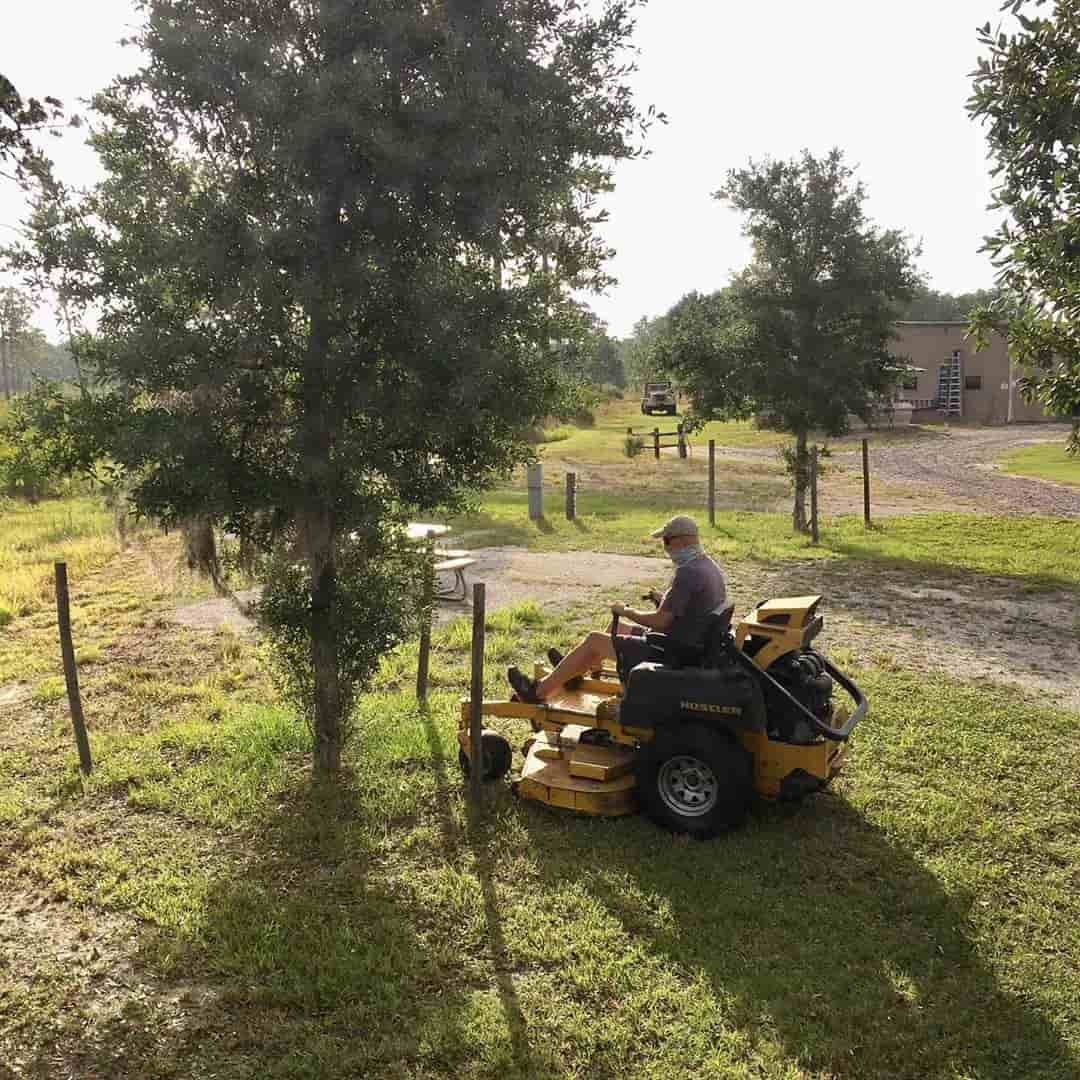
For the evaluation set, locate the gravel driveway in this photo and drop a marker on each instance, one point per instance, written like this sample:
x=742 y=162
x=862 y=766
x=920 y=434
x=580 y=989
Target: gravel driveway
x=961 y=466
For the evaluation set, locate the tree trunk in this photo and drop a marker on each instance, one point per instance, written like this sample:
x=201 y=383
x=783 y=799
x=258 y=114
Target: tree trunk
x=5 y=348
x=802 y=480
x=319 y=532
x=317 y=519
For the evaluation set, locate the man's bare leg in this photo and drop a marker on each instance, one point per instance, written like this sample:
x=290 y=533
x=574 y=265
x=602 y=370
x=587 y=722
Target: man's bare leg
x=588 y=656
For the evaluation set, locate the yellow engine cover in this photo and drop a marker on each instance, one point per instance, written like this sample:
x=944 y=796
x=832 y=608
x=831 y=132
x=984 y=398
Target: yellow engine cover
x=779 y=627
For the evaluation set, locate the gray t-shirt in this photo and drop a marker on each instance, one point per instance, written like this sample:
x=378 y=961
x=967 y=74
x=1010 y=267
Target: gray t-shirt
x=696 y=591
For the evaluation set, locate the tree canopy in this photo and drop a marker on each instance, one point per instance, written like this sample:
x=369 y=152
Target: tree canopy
x=20 y=118
x=929 y=305
x=802 y=335
x=1025 y=92
x=332 y=250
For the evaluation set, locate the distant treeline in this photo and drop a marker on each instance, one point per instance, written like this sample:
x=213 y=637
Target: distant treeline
x=29 y=354
x=932 y=306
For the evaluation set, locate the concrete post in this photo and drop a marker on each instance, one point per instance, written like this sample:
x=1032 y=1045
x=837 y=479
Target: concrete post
x=536 y=491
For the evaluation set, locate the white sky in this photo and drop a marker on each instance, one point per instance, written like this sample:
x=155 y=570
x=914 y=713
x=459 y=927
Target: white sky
x=743 y=79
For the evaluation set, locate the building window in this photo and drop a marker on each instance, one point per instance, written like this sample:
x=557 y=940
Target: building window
x=972 y=382
x=909 y=382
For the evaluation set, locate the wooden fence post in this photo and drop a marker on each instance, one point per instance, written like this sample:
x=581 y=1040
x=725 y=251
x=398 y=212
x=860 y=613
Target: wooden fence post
x=71 y=673
x=476 y=699
x=682 y=442
x=712 y=483
x=656 y=443
x=866 y=482
x=571 y=496
x=813 y=494
x=428 y=611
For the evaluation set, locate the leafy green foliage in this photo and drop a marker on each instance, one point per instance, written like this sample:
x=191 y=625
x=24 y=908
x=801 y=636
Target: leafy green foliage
x=802 y=335
x=929 y=305
x=32 y=465
x=19 y=118
x=380 y=584
x=1025 y=91
x=332 y=248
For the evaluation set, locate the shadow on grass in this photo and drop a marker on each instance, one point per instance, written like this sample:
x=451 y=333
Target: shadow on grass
x=925 y=569
x=815 y=931
x=485 y=530
x=524 y=1061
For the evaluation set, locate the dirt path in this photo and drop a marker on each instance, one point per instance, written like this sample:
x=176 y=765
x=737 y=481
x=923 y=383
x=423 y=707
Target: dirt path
x=912 y=472
x=968 y=626
x=512 y=576
x=963 y=466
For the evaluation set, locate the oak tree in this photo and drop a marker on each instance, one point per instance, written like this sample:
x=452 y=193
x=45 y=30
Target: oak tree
x=1025 y=92
x=329 y=255
x=801 y=336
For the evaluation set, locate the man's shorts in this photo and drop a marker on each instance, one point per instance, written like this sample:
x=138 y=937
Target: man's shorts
x=648 y=645
x=636 y=648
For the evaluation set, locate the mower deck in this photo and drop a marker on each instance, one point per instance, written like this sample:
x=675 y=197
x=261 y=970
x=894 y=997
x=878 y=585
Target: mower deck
x=781 y=770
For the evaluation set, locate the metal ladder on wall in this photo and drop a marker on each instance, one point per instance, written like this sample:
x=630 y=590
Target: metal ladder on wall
x=950 y=389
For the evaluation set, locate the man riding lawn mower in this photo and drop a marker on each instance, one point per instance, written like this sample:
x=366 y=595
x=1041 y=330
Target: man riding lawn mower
x=692 y=720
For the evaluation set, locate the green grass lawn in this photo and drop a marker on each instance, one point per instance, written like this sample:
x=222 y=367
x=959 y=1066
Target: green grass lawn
x=603 y=442
x=1038 y=550
x=78 y=530
x=1046 y=461
x=201 y=910
x=197 y=908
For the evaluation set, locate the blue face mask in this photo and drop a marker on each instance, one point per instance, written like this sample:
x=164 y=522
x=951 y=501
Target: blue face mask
x=686 y=554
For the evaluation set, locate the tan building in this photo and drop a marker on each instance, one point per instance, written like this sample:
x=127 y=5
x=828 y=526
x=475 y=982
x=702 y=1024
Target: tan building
x=955 y=378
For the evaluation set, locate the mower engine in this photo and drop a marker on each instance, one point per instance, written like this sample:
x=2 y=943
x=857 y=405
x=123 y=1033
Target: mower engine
x=805 y=679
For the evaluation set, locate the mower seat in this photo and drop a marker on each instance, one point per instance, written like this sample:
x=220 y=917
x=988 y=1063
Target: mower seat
x=717 y=636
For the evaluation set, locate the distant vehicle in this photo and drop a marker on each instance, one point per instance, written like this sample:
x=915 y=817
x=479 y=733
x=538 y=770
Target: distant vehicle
x=658 y=398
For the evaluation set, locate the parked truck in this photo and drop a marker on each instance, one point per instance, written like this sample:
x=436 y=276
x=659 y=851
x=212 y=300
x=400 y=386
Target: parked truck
x=658 y=398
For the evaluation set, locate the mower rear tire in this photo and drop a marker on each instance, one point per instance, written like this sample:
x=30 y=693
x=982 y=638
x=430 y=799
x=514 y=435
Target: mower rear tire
x=496 y=756
x=694 y=779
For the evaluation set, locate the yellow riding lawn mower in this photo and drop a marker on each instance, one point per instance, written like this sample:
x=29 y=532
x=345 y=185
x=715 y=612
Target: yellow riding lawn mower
x=688 y=745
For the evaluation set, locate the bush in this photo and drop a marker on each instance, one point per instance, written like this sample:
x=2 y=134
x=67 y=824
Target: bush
x=33 y=459
x=25 y=470
x=380 y=585
x=583 y=417
x=633 y=445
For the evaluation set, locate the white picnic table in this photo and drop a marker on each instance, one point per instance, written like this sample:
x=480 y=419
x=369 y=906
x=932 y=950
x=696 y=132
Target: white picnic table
x=447 y=561
x=418 y=530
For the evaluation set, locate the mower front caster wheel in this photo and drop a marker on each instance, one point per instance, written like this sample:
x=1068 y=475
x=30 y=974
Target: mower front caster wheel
x=496 y=755
x=696 y=780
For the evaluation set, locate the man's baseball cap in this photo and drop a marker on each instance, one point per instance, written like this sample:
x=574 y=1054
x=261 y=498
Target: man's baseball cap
x=677 y=526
